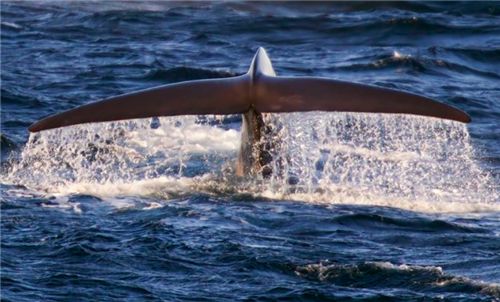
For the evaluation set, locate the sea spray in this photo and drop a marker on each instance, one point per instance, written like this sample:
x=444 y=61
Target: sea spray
x=121 y=152
x=403 y=161
x=368 y=157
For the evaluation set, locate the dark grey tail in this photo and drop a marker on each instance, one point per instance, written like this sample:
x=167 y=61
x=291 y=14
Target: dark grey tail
x=259 y=90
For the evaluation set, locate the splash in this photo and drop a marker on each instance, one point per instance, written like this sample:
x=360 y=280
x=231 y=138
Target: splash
x=412 y=162
x=415 y=163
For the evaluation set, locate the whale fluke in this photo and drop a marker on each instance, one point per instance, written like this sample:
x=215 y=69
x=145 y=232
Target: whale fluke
x=292 y=94
x=253 y=94
x=259 y=90
x=214 y=96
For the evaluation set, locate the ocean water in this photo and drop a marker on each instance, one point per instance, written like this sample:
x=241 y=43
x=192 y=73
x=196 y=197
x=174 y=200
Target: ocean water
x=367 y=207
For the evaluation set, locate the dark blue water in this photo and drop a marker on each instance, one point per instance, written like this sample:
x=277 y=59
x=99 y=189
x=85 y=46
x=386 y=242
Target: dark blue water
x=366 y=207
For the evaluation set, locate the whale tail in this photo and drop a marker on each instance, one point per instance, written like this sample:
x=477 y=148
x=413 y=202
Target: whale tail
x=259 y=90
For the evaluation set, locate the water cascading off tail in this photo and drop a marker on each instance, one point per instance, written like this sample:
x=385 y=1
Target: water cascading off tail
x=417 y=163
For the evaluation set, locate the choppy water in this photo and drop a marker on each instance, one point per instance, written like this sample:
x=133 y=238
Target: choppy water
x=359 y=206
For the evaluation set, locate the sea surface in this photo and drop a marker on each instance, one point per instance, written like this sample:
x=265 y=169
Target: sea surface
x=359 y=207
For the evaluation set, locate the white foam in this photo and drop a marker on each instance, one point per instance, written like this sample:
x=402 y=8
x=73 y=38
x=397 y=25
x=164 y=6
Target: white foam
x=407 y=268
x=165 y=187
x=326 y=270
x=362 y=198
x=414 y=163
x=399 y=56
x=63 y=203
x=12 y=25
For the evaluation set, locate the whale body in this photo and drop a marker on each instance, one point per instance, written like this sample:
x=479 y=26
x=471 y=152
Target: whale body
x=253 y=95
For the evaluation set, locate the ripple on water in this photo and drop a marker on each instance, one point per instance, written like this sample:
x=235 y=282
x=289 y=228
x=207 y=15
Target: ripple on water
x=403 y=208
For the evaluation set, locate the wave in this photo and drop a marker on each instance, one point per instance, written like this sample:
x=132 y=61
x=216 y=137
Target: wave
x=420 y=63
x=486 y=55
x=386 y=274
x=183 y=73
x=369 y=221
x=13 y=97
x=381 y=21
x=7 y=145
x=455 y=9
x=11 y=26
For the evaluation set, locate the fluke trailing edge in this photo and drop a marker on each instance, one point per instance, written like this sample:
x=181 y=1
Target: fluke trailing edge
x=257 y=92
